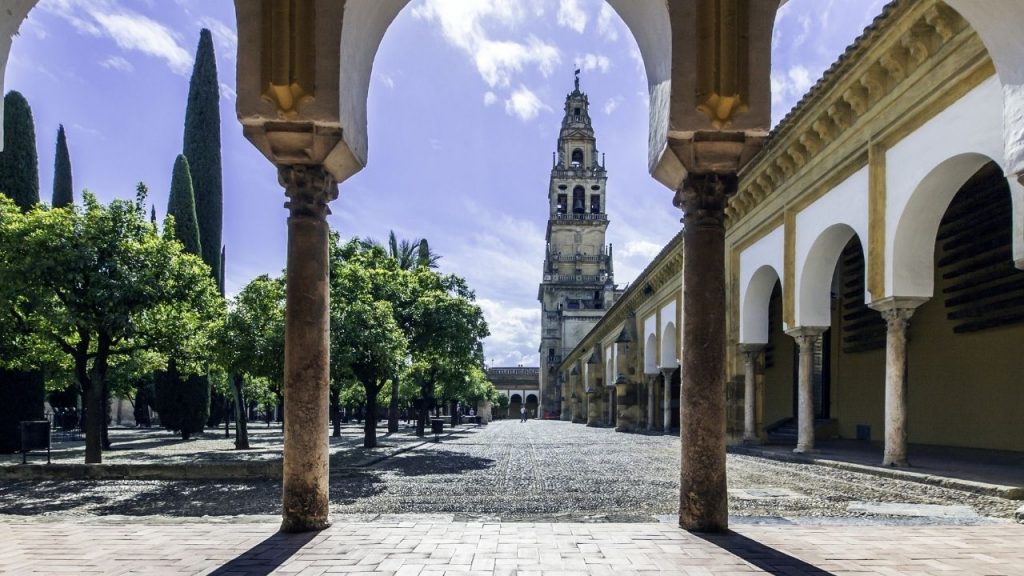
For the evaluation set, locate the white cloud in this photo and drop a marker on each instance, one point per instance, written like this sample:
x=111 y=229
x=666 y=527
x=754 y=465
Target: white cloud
x=514 y=333
x=606 y=23
x=490 y=98
x=639 y=248
x=496 y=60
x=524 y=104
x=589 y=62
x=571 y=15
x=117 y=63
x=129 y=30
x=386 y=80
x=612 y=104
x=228 y=93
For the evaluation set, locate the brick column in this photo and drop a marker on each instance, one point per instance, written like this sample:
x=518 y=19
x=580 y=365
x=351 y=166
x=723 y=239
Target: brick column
x=307 y=349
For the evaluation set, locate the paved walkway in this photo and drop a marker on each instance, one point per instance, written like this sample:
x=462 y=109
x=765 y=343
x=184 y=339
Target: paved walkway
x=432 y=546
x=988 y=467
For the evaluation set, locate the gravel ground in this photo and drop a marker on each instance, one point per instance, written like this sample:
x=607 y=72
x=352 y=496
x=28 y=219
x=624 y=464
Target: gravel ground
x=534 y=471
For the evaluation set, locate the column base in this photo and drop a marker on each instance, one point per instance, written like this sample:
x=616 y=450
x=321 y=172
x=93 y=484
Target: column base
x=804 y=450
x=751 y=441
x=895 y=463
x=293 y=526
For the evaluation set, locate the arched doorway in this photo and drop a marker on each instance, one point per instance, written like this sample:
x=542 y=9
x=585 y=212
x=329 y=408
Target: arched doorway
x=531 y=405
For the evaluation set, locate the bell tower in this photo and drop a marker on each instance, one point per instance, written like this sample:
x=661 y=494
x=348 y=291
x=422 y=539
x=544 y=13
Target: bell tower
x=578 y=285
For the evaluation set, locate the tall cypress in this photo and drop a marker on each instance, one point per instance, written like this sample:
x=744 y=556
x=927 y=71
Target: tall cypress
x=63 y=193
x=183 y=402
x=22 y=393
x=202 y=148
x=19 y=162
x=182 y=205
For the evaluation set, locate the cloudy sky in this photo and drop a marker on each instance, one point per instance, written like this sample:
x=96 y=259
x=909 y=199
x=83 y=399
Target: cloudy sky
x=464 y=113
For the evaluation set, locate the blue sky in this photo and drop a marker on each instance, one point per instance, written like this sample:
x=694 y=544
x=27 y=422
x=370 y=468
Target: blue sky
x=464 y=108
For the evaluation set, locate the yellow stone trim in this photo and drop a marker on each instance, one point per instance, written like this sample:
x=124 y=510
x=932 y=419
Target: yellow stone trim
x=789 y=264
x=876 y=221
x=288 y=54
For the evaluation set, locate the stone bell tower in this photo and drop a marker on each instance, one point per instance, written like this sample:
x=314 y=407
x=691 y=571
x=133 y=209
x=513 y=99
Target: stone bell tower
x=577 y=286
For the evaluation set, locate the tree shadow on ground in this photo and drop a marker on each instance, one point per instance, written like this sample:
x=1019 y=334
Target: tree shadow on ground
x=349 y=487
x=31 y=498
x=267 y=556
x=762 y=556
x=434 y=462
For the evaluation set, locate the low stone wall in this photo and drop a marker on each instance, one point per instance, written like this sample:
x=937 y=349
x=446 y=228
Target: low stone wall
x=270 y=469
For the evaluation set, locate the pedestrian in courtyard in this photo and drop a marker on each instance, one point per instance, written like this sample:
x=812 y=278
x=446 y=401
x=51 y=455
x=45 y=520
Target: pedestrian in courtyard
x=522 y=413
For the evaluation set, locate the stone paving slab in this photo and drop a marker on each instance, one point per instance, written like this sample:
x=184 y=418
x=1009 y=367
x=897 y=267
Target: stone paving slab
x=432 y=546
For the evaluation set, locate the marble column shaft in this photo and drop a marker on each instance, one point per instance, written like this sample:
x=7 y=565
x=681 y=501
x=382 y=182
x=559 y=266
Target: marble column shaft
x=666 y=375
x=806 y=338
x=703 y=496
x=307 y=349
x=751 y=352
x=896 y=320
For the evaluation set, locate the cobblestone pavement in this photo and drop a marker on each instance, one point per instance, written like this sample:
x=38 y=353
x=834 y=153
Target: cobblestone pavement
x=411 y=546
x=537 y=471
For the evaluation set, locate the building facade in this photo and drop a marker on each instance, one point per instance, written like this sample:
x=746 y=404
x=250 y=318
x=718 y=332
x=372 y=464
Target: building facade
x=578 y=281
x=874 y=256
x=521 y=385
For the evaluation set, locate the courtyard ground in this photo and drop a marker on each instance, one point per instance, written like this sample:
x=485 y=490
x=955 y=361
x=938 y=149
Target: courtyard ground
x=544 y=497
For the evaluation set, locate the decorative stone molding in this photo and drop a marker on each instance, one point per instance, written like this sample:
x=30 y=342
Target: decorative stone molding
x=865 y=75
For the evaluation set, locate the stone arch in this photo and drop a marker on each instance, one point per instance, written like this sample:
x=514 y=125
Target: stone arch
x=650 y=355
x=365 y=23
x=669 y=349
x=998 y=23
x=913 y=249
x=756 y=300
x=816 y=273
x=516 y=399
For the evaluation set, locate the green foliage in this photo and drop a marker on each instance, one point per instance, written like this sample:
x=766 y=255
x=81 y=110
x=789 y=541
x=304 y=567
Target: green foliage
x=181 y=206
x=95 y=291
x=22 y=390
x=409 y=254
x=63 y=192
x=19 y=161
x=183 y=401
x=251 y=340
x=202 y=148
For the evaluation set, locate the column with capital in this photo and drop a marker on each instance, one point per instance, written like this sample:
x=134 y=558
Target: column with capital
x=806 y=337
x=666 y=375
x=751 y=352
x=703 y=497
x=897 y=313
x=307 y=348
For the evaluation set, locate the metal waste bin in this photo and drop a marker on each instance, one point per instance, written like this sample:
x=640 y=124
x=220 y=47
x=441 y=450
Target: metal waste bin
x=437 y=427
x=35 y=435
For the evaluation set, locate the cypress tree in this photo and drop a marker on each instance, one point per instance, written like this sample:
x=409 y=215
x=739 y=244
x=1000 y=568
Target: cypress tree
x=202 y=148
x=183 y=402
x=63 y=193
x=22 y=393
x=182 y=205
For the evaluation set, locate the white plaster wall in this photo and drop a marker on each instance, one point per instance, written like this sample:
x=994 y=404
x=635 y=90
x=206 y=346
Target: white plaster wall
x=822 y=230
x=999 y=23
x=650 y=326
x=924 y=172
x=754 y=298
x=669 y=357
x=12 y=14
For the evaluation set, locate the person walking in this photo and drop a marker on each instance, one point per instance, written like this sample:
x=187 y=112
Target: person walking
x=522 y=413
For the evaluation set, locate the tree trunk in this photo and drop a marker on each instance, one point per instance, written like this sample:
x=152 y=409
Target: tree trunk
x=393 y=412
x=241 y=430
x=336 y=411
x=370 y=425
x=106 y=415
x=96 y=394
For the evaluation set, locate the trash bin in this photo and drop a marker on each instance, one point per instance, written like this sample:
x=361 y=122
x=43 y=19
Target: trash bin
x=437 y=427
x=35 y=435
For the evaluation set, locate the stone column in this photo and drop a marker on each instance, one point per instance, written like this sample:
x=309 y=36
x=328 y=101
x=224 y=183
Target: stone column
x=652 y=392
x=666 y=374
x=703 y=499
x=805 y=338
x=897 y=313
x=307 y=349
x=750 y=355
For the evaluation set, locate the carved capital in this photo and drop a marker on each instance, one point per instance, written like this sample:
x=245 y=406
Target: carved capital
x=703 y=197
x=897 y=319
x=309 y=190
x=806 y=336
